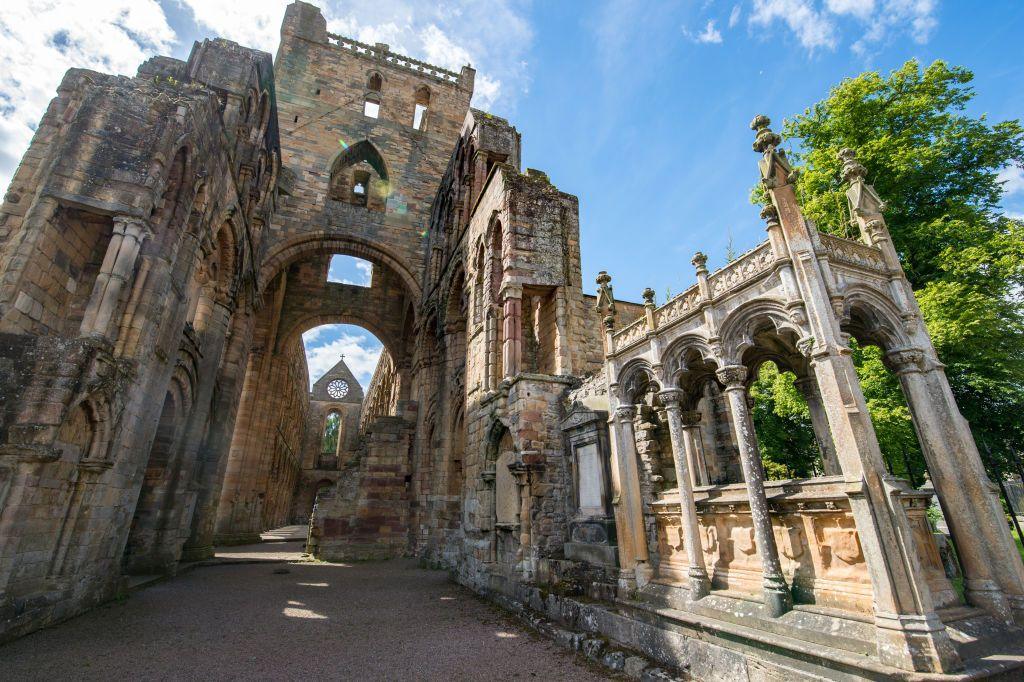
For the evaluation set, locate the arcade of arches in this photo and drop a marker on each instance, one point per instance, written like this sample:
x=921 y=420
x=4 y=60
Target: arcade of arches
x=578 y=455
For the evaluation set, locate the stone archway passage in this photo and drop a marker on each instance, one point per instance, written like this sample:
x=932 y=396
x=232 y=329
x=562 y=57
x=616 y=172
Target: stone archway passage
x=365 y=621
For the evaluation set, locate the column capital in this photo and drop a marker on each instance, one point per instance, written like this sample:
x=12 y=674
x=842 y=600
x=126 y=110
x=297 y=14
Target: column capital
x=732 y=376
x=690 y=418
x=671 y=397
x=511 y=290
x=905 y=360
x=625 y=413
x=130 y=225
x=807 y=385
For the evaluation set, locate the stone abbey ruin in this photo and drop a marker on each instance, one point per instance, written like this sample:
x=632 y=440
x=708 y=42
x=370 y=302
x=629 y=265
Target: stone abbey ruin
x=165 y=242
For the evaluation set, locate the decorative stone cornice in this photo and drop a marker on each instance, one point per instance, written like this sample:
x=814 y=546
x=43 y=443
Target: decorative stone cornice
x=732 y=376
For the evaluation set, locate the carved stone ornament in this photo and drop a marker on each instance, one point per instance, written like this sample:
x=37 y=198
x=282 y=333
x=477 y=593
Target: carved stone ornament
x=648 y=296
x=671 y=397
x=700 y=261
x=625 y=413
x=605 y=297
x=853 y=170
x=806 y=346
x=770 y=215
x=765 y=140
x=904 y=360
x=732 y=376
x=690 y=418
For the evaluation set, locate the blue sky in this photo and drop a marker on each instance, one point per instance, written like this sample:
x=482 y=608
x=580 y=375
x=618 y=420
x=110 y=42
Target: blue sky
x=639 y=108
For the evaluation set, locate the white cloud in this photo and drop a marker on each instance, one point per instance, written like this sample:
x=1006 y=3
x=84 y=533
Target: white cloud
x=734 y=16
x=710 y=34
x=812 y=27
x=41 y=39
x=861 y=9
x=1012 y=178
x=325 y=345
x=821 y=24
x=253 y=23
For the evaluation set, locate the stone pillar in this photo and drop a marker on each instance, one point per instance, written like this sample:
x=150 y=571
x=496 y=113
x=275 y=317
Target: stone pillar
x=683 y=456
x=491 y=351
x=808 y=388
x=512 y=328
x=993 y=573
x=117 y=270
x=777 y=597
x=632 y=536
x=695 y=448
x=909 y=633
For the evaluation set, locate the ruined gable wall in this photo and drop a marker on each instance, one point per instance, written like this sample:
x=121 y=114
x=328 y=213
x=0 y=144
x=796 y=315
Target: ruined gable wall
x=321 y=87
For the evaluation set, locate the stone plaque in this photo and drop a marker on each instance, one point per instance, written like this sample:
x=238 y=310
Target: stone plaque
x=506 y=491
x=591 y=478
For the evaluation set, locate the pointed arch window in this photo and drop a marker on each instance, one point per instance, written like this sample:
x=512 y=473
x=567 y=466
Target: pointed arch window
x=419 y=113
x=332 y=434
x=359 y=176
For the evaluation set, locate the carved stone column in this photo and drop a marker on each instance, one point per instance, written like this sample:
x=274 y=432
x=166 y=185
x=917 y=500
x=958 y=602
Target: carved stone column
x=512 y=328
x=808 y=388
x=632 y=536
x=683 y=456
x=695 y=448
x=116 y=272
x=969 y=500
x=777 y=597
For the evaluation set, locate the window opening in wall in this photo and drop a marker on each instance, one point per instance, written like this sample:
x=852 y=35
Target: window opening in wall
x=374 y=82
x=360 y=187
x=332 y=427
x=318 y=91
x=295 y=120
x=419 y=114
x=371 y=107
x=350 y=270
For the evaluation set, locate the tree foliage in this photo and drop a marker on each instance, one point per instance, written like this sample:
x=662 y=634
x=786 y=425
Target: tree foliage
x=936 y=167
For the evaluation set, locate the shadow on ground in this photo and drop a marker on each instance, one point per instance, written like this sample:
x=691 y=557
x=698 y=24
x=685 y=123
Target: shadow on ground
x=366 y=621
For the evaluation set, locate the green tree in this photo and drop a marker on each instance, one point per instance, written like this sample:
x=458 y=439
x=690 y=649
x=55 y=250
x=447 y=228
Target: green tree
x=936 y=167
x=782 y=422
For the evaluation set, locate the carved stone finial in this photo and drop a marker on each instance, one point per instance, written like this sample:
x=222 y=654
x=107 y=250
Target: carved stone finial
x=766 y=139
x=770 y=215
x=853 y=169
x=605 y=297
x=648 y=296
x=700 y=261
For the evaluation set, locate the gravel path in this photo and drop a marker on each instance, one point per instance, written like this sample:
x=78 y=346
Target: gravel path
x=367 y=621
